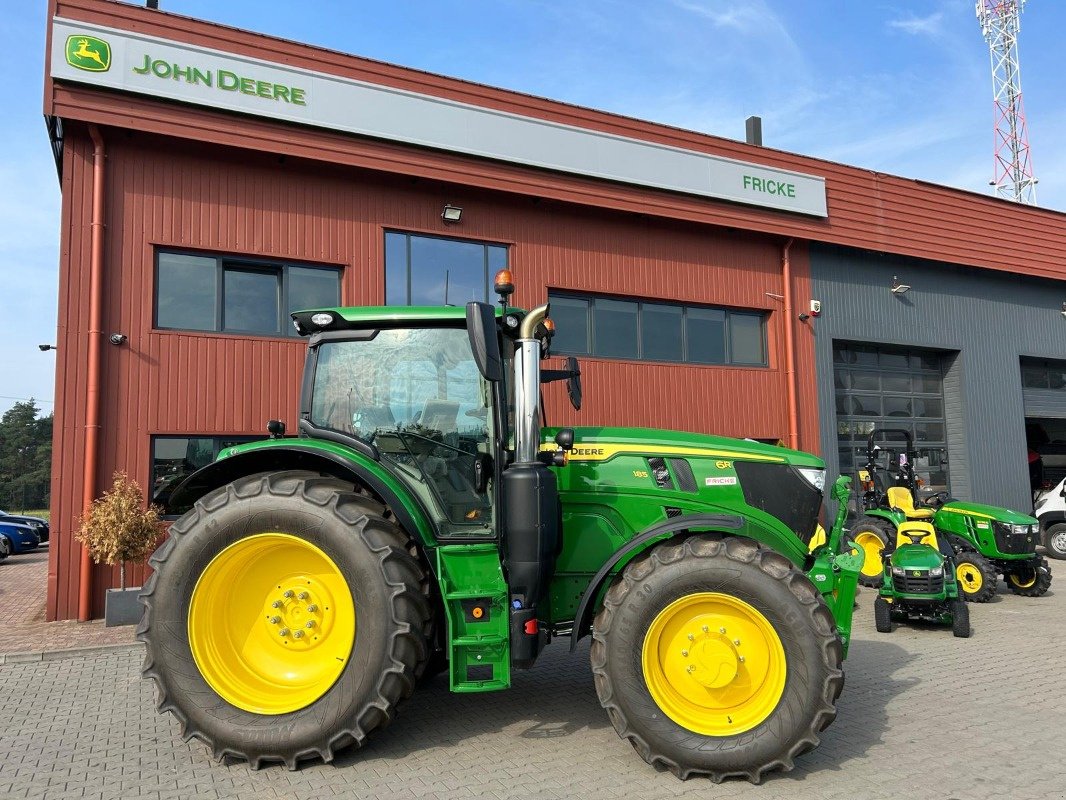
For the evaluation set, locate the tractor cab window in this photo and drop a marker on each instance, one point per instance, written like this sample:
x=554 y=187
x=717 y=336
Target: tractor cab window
x=417 y=396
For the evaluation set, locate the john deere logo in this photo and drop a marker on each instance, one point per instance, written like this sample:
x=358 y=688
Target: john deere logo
x=88 y=53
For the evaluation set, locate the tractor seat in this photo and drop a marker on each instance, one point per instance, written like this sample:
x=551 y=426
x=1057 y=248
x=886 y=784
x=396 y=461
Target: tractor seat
x=900 y=497
x=915 y=528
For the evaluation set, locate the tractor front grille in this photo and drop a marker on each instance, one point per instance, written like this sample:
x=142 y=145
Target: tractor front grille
x=918 y=582
x=779 y=490
x=1012 y=543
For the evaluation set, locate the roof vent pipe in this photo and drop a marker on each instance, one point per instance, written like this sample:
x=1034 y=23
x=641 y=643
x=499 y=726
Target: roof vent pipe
x=153 y=4
x=753 y=131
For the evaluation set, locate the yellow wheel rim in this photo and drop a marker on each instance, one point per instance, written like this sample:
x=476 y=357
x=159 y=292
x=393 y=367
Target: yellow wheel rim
x=714 y=664
x=969 y=577
x=271 y=623
x=871 y=546
x=1023 y=583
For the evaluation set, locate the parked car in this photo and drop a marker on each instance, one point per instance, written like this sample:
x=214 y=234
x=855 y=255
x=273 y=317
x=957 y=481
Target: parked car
x=22 y=538
x=5 y=548
x=40 y=526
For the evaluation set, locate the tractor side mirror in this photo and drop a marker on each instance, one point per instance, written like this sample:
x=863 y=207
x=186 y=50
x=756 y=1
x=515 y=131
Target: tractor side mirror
x=484 y=340
x=573 y=382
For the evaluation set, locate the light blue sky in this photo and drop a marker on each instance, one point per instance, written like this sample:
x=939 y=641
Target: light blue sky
x=900 y=86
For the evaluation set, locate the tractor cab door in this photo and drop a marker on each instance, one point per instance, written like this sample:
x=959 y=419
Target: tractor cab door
x=418 y=397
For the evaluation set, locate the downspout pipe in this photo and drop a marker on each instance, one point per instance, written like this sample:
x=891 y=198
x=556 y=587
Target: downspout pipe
x=94 y=345
x=790 y=349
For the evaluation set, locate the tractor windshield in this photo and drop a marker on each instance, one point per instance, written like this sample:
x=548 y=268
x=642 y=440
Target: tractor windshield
x=417 y=396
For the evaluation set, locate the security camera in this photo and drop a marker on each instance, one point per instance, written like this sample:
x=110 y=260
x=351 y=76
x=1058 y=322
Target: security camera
x=1063 y=314
x=44 y=348
x=118 y=338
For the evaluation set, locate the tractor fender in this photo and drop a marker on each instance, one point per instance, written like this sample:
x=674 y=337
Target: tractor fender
x=653 y=535
x=409 y=513
x=892 y=517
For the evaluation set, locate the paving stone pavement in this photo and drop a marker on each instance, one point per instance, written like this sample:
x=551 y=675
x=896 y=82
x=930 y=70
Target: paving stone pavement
x=23 y=586
x=923 y=716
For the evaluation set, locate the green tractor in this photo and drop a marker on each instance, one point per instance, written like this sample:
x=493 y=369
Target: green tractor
x=424 y=520
x=987 y=541
x=920 y=583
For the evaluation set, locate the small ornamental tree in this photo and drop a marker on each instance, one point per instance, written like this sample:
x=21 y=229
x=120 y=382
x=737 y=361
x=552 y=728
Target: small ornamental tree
x=118 y=528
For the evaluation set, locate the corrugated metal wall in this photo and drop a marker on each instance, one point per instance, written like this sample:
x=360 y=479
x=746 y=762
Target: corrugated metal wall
x=990 y=319
x=163 y=192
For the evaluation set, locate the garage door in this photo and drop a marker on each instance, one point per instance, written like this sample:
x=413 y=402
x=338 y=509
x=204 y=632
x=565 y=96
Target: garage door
x=885 y=387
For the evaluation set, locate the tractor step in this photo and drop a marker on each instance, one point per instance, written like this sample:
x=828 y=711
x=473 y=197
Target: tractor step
x=476 y=605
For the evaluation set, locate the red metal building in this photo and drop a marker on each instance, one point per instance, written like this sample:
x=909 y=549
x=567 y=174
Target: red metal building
x=182 y=150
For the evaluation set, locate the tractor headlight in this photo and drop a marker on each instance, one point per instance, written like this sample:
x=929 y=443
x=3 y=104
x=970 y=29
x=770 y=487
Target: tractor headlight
x=1020 y=530
x=936 y=572
x=815 y=477
x=899 y=571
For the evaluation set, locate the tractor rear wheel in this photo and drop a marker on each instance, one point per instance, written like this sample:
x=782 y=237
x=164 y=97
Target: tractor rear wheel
x=976 y=577
x=960 y=619
x=871 y=535
x=1055 y=540
x=882 y=615
x=717 y=657
x=1031 y=578
x=285 y=619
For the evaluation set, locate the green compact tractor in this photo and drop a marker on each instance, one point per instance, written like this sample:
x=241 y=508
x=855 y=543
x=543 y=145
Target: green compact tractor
x=987 y=541
x=424 y=520
x=919 y=582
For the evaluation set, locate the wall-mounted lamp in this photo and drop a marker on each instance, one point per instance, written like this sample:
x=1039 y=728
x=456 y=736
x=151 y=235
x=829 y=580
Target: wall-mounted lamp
x=899 y=288
x=1063 y=314
x=117 y=339
x=44 y=348
x=451 y=214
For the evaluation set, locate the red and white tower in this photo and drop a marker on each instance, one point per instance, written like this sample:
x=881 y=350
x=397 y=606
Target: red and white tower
x=1013 y=179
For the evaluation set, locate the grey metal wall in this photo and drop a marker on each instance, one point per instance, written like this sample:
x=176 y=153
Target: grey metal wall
x=985 y=320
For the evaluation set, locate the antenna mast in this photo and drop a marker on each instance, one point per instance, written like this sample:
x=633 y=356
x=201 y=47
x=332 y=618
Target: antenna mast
x=1013 y=179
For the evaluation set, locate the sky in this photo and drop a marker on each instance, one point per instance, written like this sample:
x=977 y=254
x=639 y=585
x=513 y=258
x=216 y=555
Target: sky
x=902 y=87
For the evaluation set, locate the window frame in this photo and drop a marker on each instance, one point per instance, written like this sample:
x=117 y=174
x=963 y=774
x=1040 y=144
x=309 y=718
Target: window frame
x=727 y=343
x=216 y=446
x=408 y=235
x=241 y=263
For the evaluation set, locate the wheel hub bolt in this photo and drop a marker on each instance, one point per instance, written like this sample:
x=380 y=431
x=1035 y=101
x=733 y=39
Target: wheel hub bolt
x=691 y=638
x=736 y=642
x=298 y=635
x=740 y=659
x=302 y=596
x=311 y=609
x=684 y=653
x=706 y=629
x=721 y=630
x=288 y=594
x=691 y=668
x=275 y=620
x=283 y=632
x=276 y=604
x=310 y=623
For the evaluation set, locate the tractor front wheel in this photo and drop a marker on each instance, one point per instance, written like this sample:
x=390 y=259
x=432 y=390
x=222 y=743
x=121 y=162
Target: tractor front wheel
x=1031 y=578
x=960 y=619
x=976 y=577
x=882 y=615
x=871 y=535
x=717 y=657
x=285 y=619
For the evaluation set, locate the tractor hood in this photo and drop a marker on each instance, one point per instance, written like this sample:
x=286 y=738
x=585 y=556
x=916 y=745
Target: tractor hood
x=981 y=511
x=601 y=444
x=917 y=556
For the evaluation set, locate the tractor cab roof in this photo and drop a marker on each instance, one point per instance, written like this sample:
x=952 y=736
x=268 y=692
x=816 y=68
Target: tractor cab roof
x=355 y=317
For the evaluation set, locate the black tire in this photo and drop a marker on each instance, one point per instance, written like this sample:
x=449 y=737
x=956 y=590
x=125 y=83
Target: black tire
x=386 y=582
x=1031 y=578
x=971 y=566
x=960 y=619
x=878 y=528
x=882 y=615
x=777 y=589
x=1055 y=540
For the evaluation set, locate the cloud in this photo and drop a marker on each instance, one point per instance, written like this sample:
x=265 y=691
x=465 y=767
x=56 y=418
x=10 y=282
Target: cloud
x=919 y=26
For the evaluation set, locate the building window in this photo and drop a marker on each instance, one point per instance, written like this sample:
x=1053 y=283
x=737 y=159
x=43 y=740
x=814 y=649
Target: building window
x=174 y=458
x=434 y=271
x=234 y=295
x=647 y=331
x=1043 y=373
